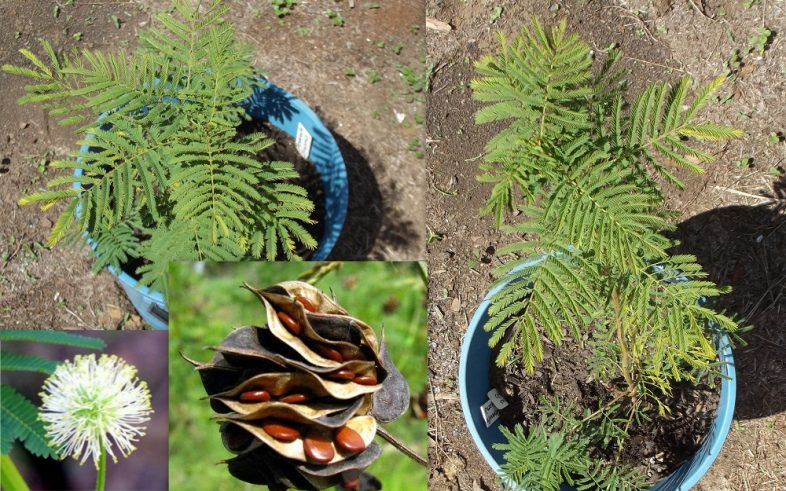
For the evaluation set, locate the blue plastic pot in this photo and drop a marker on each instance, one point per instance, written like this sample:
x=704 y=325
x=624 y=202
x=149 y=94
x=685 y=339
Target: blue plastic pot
x=287 y=113
x=474 y=385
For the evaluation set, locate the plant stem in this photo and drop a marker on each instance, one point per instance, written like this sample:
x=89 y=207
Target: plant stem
x=101 y=479
x=625 y=360
x=401 y=446
x=319 y=271
x=10 y=478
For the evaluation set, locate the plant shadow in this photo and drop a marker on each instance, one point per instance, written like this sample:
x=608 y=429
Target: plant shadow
x=372 y=225
x=744 y=247
x=277 y=103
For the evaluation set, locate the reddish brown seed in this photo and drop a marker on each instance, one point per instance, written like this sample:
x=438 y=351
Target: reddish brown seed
x=351 y=479
x=255 y=395
x=349 y=440
x=306 y=303
x=295 y=398
x=328 y=352
x=281 y=431
x=318 y=448
x=343 y=374
x=365 y=379
x=289 y=323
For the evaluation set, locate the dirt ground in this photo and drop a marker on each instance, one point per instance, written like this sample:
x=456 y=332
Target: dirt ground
x=733 y=217
x=350 y=74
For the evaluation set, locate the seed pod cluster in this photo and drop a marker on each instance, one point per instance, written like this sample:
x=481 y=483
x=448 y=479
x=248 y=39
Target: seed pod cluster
x=299 y=398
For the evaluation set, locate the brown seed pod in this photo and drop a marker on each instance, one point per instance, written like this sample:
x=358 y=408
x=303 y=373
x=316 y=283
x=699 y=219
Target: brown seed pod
x=299 y=399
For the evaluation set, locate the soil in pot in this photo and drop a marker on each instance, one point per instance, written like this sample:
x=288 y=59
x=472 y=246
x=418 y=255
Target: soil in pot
x=285 y=150
x=655 y=448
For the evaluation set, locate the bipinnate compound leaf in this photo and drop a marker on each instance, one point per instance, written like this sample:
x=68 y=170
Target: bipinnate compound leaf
x=20 y=422
x=53 y=337
x=166 y=175
x=29 y=363
x=585 y=166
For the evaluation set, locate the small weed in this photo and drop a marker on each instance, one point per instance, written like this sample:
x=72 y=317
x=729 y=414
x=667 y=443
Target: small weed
x=724 y=99
x=396 y=49
x=734 y=62
x=376 y=115
x=433 y=236
x=417 y=82
x=415 y=146
x=56 y=11
x=745 y=163
x=414 y=28
x=373 y=76
x=116 y=21
x=17 y=35
x=472 y=264
x=43 y=163
x=282 y=8
x=775 y=171
x=750 y=3
x=349 y=72
x=336 y=17
x=303 y=30
x=380 y=44
x=495 y=15
x=419 y=119
x=774 y=138
x=760 y=41
x=77 y=36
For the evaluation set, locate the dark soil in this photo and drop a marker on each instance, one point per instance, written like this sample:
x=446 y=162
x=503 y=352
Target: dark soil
x=655 y=448
x=285 y=150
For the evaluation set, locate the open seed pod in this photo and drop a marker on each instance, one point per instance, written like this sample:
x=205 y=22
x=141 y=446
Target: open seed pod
x=299 y=399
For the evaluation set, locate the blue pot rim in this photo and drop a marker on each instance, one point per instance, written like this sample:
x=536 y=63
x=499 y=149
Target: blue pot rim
x=715 y=438
x=330 y=234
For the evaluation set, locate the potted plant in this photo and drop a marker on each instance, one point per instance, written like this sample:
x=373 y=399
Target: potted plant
x=593 y=269
x=163 y=172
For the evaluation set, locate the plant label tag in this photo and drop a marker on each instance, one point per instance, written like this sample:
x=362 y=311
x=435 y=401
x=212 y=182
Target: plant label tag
x=490 y=413
x=497 y=399
x=303 y=141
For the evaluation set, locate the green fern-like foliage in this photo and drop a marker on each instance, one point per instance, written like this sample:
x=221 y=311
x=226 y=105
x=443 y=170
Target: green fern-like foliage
x=165 y=154
x=556 y=451
x=585 y=170
x=541 y=459
x=19 y=421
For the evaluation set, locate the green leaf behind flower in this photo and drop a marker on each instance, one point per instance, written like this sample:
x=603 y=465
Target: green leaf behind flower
x=19 y=420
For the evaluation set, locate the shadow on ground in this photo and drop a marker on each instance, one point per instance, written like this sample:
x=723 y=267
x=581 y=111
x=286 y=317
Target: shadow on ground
x=745 y=247
x=369 y=208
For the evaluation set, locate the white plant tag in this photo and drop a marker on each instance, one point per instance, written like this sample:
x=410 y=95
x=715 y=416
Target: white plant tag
x=490 y=413
x=497 y=399
x=303 y=141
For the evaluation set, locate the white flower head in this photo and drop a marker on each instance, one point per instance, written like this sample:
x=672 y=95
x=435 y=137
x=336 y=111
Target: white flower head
x=87 y=401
